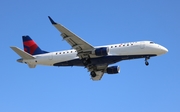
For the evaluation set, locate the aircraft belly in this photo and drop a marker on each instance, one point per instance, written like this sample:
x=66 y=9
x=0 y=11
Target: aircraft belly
x=102 y=60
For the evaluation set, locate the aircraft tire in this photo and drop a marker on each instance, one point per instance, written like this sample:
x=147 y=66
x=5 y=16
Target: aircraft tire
x=93 y=74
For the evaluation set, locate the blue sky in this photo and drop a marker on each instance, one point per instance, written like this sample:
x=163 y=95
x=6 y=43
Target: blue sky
x=137 y=88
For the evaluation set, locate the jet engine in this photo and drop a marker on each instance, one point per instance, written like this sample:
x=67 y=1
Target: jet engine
x=113 y=70
x=103 y=51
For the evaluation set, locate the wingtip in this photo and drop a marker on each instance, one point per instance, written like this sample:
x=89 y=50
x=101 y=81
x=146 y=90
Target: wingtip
x=12 y=47
x=52 y=21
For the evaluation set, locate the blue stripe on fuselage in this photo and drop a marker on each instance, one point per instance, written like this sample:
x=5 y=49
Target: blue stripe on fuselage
x=101 y=60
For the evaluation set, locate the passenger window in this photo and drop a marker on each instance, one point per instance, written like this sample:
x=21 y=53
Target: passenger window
x=63 y=52
x=115 y=46
x=127 y=44
x=111 y=46
x=123 y=45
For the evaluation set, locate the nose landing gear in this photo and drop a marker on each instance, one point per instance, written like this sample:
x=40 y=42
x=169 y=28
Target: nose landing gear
x=146 y=60
x=146 y=63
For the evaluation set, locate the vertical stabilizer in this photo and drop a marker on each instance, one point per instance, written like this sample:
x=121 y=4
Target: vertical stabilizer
x=30 y=46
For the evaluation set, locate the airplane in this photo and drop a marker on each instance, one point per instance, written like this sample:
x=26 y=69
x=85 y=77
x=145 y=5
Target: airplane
x=97 y=59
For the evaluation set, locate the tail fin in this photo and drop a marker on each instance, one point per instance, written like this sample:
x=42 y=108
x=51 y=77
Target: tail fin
x=31 y=47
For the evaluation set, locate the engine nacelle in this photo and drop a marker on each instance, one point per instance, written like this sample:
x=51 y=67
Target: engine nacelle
x=103 y=51
x=113 y=70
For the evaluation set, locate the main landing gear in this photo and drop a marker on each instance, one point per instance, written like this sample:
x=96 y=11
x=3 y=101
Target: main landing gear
x=86 y=61
x=93 y=74
x=146 y=60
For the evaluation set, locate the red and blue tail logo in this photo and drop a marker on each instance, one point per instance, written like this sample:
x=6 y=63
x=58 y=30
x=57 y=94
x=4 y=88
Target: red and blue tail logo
x=30 y=46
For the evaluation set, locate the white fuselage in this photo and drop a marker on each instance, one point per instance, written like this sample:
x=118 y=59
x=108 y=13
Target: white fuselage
x=140 y=49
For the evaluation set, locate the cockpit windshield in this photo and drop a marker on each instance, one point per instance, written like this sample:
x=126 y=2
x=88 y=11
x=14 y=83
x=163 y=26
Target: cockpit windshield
x=151 y=42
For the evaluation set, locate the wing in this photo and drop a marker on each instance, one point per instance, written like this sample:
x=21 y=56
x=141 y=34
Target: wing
x=83 y=48
x=76 y=42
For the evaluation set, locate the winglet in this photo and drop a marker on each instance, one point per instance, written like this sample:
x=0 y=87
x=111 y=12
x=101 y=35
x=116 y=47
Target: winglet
x=52 y=21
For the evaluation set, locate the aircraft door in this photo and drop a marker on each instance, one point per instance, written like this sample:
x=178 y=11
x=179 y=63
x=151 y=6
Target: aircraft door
x=142 y=45
x=51 y=56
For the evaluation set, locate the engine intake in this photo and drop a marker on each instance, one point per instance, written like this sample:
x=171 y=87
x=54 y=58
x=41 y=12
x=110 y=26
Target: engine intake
x=103 y=51
x=113 y=70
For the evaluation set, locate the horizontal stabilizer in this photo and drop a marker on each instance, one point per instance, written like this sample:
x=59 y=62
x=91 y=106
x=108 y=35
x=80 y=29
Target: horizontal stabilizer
x=21 y=53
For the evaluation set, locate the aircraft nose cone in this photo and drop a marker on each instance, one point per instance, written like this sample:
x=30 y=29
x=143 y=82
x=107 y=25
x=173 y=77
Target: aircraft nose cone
x=164 y=50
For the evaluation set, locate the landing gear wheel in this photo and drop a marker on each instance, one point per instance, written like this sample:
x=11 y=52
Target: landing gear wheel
x=147 y=63
x=93 y=74
x=86 y=61
x=146 y=60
